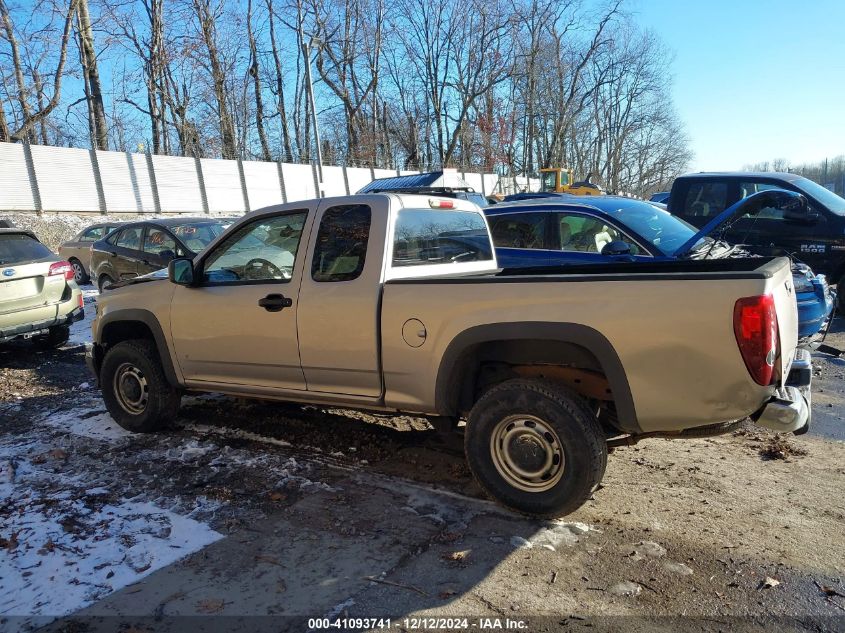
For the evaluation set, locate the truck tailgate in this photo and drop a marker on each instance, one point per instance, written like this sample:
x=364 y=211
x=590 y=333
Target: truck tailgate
x=782 y=289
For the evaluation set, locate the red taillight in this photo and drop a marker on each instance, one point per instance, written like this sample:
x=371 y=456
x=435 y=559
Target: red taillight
x=81 y=301
x=756 y=330
x=439 y=203
x=61 y=268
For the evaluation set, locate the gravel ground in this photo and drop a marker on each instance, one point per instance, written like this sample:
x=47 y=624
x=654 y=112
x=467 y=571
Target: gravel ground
x=308 y=512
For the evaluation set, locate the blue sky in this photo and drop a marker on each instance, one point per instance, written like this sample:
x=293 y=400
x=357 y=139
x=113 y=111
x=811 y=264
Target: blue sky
x=755 y=79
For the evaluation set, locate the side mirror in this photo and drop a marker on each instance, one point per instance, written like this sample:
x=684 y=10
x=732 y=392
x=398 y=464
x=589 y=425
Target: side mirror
x=167 y=254
x=801 y=215
x=181 y=271
x=616 y=247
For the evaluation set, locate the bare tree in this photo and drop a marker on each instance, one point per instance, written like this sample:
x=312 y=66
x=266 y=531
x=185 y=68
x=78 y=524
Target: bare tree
x=208 y=14
x=94 y=91
x=29 y=119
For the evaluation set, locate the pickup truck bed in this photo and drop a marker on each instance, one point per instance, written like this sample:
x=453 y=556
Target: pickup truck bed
x=614 y=313
x=396 y=303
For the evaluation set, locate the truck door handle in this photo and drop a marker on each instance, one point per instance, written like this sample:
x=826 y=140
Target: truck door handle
x=275 y=303
x=112 y=254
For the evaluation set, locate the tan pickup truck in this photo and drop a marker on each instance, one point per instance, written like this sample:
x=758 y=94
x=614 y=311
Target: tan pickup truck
x=395 y=303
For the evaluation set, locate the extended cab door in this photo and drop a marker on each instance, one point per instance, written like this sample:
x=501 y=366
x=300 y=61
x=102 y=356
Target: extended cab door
x=338 y=317
x=238 y=325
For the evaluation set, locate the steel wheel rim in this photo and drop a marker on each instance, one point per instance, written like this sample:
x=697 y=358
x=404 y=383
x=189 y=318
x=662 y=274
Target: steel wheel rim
x=131 y=389
x=78 y=272
x=527 y=453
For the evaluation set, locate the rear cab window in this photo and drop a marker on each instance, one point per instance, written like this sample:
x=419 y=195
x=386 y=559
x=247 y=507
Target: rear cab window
x=440 y=242
x=20 y=248
x=705 y=199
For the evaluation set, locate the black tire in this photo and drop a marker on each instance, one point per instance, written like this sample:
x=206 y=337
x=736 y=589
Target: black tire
x=136 y=362
x=79 y=274
x=103 y=282
x=56 y=337
x=564 y=414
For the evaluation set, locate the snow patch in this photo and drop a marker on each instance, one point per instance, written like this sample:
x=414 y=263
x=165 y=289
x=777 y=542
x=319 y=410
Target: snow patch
x=90 y=422
x=87 y=553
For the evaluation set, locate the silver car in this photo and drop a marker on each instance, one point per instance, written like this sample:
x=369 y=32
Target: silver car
x=78 y=250
x=38 y=296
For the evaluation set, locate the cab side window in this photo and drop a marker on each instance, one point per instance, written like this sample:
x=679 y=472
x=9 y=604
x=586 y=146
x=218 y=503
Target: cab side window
x=706 y=199
x=585 y=234
x=158 y=240
x=263 y=250
x=518 y=230
x=130 y=238
x=341 y=247
x=767 y=213
x=92 y=235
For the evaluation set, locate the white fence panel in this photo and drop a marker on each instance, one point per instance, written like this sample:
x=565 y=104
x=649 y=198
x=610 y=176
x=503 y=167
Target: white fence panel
x=358 y=177
x=126 y=182
x=474 y=181
x=299 y=182
x=333 y=183
x=222 y=185
x=15 y=189
x=262 y=184
x=491 y=183
x=178 y=184
x=65 y=179
x=384 y=173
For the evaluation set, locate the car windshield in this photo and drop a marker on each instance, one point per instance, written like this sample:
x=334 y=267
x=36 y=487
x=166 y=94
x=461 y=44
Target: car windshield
x=19 y=248
x=197 y=235
x=660 y=228
x=825 y=196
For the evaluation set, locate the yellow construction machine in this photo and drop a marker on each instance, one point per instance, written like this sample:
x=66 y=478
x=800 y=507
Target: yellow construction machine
x=560 y=180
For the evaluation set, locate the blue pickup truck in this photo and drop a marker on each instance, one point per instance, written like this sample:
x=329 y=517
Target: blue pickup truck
x=564 y=229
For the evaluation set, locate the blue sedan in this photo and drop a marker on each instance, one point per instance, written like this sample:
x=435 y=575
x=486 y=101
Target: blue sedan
x=570 y=230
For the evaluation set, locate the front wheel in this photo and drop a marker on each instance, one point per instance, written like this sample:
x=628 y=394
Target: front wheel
x=136 y=392
x=535 y=447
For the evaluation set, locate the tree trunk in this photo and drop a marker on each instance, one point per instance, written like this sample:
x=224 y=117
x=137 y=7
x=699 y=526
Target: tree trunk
x=39 y=93
x=229 y=148
x=92 y=78
x=254 y=70
x=17 y=67
x=281 y=108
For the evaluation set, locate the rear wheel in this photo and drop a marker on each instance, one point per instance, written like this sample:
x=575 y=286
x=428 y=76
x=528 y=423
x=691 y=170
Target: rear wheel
x=79 y=274
x=535 y=447
x=104 y=282
x=136 y=392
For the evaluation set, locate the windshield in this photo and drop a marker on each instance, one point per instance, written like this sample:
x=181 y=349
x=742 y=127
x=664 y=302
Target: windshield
x=660 y=228
x=197 y=235
x=548 y=181
x=425 y=237
x=18 y=248
x=825 y=196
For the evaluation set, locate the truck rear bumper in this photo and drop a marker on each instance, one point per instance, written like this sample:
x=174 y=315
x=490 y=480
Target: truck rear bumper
x=789 y=410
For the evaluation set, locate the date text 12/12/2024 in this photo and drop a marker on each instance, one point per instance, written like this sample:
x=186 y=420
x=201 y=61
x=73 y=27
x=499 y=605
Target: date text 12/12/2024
x=417 y=624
